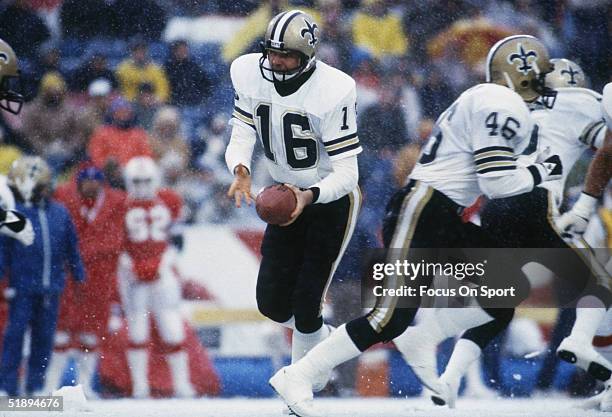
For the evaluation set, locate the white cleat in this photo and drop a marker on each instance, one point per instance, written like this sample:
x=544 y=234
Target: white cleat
x=287 y=411
x=592 y=403
x=448 y=391
x=583 y=355
x=184 y=391
x=421 y=356
x=296 y=391
x=322 y=380
x=140 y=391
x=606 y=400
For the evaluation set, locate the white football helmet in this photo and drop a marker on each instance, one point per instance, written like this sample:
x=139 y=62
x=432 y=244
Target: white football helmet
x=566 y=74
x=30 y=178
x=521 y=62
x=142 y=178
x=290 y=31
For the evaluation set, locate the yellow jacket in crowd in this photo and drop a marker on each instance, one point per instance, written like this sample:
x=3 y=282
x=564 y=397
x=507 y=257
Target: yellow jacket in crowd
x=131 y=77
x=381 y=36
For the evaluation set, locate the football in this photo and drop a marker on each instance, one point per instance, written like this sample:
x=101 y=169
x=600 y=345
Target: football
x=274 y=204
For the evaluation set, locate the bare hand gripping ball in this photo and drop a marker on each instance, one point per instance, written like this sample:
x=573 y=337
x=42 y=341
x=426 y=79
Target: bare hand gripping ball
x=274 y=204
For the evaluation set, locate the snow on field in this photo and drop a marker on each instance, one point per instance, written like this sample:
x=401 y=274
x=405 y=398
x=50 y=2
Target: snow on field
x=557 y=407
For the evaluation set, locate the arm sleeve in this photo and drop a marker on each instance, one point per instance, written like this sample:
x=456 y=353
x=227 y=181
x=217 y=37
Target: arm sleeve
x=240 y=147
x=244 y=134
x=161 y=82
x=594 y=134
x=519 y=182
x=340 y=182
x=339 y=128
x=606 y=104
x=499 y=135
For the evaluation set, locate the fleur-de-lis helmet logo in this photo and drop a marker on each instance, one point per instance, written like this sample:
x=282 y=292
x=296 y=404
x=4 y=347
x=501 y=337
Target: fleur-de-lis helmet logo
x=4 y=58
x=572 y=74
x=525 y=59
x=310 y=30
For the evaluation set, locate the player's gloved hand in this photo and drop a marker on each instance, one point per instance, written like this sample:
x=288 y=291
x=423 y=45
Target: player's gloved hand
x=575 y=221
x=547 y=167
x=17 y=226
x=303 y=198
x=241 y=186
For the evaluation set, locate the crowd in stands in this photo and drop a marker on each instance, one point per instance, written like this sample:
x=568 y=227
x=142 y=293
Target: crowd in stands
x=104 y=82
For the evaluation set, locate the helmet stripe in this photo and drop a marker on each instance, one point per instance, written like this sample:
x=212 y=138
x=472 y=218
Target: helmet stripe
x=276 y=24
x=286 y=24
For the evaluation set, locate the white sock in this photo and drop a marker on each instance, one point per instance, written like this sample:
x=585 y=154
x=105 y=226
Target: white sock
x=301 y=343
x=439 y=324
x=179 y=367
x=56 y=370
x=587 y=322
x=290 y=324
x=464 y=354
x=138 y=360
x=337 y=348
x=455 y=320
x=87 y=362
x=474 y=376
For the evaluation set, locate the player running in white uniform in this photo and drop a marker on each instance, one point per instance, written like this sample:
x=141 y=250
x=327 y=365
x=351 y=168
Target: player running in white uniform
x=304 y=113
x=472 y=151
x=521 y=222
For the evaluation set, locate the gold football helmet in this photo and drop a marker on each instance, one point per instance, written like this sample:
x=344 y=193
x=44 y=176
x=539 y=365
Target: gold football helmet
x=30 y=177
x=521 y=62
x=290 y=31
x=566 y=74
x=10 y=100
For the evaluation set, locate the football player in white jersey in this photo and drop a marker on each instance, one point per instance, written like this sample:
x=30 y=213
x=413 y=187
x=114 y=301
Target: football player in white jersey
x=303 y=112
x=572 y=124
x=12 y=223
x=472 y=151
x=600 y=171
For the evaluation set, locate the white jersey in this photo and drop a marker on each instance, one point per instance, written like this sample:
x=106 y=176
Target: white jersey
x=575 y=123
x=606 y=103
x=7 y=201
x=480 y=134
x=301 y=133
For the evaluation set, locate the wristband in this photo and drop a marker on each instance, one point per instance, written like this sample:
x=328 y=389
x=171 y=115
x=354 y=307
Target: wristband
x=316 y=191
x=535 y=173
x=585 y=206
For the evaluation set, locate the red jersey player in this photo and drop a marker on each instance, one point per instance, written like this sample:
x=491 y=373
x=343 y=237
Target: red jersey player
x=147 y=274
x=96 y=211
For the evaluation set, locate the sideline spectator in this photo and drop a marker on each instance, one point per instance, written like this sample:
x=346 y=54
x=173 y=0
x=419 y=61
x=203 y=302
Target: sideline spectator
x=96 y=211
x=138 y=69
x=114 y=144
x=94 y=68
x=98 y=106
x=146 y=106
x=170 y=149
x=379 y=31
x=35 y=286
x=189 y=84
x=53 y=128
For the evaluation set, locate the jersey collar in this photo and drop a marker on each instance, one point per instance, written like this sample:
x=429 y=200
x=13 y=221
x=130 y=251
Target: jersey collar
x=289 y=87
